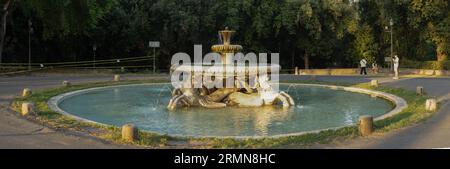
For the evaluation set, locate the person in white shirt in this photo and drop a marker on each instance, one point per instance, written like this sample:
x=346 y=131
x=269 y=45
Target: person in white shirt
x=363 y=64
x=395 y=60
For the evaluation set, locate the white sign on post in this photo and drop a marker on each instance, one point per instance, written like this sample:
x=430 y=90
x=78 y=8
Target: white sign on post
x=153 y=44
x=387 y=59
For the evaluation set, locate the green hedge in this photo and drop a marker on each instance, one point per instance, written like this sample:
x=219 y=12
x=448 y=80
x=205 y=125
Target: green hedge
x=434 y=65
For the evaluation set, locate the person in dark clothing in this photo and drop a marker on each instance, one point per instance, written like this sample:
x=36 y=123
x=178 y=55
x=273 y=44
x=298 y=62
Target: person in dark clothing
x=363 y=64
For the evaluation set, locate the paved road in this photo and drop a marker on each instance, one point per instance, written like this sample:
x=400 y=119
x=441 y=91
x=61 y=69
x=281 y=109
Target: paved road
x=16 y=132
x=433 y=133
x=436 y=87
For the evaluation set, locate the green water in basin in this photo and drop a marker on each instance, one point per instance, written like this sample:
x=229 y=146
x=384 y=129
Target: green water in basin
x=145 y=106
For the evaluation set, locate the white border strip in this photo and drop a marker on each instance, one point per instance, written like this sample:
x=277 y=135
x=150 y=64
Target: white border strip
x=400 y=105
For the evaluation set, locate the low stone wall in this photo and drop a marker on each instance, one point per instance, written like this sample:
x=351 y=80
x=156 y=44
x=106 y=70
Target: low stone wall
x=343 y=71
x=314 y=71
x=428 y=72
x=355 y=71
x=338 y=71
x=399 y=105
x=442 y=72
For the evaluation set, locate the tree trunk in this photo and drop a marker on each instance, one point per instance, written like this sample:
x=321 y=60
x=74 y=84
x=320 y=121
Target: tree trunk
x=293 y=58
x=442 y=57
x=306 y=58
x=440 y=52
x=5 y=12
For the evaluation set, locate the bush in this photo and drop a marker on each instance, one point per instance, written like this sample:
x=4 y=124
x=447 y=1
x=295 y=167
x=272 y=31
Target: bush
x=433 y=65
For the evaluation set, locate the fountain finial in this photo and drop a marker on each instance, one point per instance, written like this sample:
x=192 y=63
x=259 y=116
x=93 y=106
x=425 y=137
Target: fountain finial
x=226 y=35
x=226 y=46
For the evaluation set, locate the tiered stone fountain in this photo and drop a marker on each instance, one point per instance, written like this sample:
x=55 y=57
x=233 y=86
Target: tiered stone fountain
x=250 y=83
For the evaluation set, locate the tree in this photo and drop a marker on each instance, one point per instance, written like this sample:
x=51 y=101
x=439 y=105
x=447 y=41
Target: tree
x=56 y=19
x=66 y=17
x=433 y=17
x=314 y=33
x=317 y=27
x=6 y=10
x=365 y=45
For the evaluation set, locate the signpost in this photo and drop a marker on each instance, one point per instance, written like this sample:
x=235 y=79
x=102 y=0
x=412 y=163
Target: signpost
x=30 y=31
x=154 y=45
x=389 y=61
x=391 y=26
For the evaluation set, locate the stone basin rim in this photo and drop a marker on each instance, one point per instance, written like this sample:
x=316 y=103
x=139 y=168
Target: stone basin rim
x=399 y=105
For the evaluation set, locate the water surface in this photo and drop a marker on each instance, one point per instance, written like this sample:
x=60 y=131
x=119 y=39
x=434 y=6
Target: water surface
x=145 y=106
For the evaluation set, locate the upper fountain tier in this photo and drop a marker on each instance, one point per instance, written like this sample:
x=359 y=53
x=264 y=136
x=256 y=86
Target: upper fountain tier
x=226 y=47
x=227 y=52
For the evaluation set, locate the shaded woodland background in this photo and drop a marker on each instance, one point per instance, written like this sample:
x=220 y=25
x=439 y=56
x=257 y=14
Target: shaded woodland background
x=306 y=33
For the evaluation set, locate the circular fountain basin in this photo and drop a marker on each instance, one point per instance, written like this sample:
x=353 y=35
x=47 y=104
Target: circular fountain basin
x=319 y=107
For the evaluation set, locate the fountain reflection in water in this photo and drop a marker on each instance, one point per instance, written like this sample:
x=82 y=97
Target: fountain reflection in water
x=259 y=119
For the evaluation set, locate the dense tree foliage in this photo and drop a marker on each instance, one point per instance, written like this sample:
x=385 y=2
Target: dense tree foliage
x=306 y=33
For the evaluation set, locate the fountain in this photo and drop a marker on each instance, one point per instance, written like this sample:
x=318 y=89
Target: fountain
x=237 y=110
x=250 y=86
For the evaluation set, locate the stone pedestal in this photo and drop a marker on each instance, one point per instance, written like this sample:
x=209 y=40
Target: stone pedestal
x=365 y=125
x=129 y=132
x=374 y=83
x=27 y=109
x=431 y=105
x=419 y=90
x=66 y=83
x=26 y=92
x=116 y=78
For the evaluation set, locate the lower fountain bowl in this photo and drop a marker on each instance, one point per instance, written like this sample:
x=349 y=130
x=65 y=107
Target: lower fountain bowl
x=319 y=107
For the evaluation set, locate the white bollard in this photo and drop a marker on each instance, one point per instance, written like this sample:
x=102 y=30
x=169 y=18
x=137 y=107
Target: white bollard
x=27 y=108
x=66 y=83
x=431 y=105
x=419 y=90
x=26 y=92
x=116 y=78
x=374 y=83
x=296 y=71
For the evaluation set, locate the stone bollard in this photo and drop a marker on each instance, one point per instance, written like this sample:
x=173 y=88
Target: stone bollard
x=27 y=109
x=116 y=78
x=129 y=132
x=296 y=71
x=431 y=105
x=374 y=83
x=26 y=92
x=419 y=90
x=66 y=83
x=365 y=125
